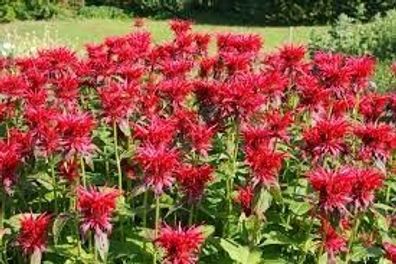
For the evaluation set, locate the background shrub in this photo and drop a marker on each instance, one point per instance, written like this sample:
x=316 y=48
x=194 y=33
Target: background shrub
x=102 y=12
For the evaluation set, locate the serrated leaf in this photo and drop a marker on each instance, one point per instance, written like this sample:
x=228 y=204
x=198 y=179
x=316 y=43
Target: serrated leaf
x=241 y=254
x=299 y=208
x=57 y=227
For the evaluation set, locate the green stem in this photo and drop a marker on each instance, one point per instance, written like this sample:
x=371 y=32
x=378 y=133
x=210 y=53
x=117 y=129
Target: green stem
x=55 y=184
x=352 y=238
x=157 y=223
x=145 y=197
x=191 y=217
x=312 y=219
x=83 y=174
x=117 y=156
x=2 y=210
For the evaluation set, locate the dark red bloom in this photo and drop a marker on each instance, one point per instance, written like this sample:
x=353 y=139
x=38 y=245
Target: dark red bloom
x=245 y=197
x=181 y=245
x=367 y=181
x=311 y=93
x=180 y=26
x=33 y=234
x=159 y=131
x=10 y=160
x=75 y=131
x=193 y=180
x=334 y=187
x=326 y=137
x=159 y=164
x=390 y=250
x=69 y=170
x=333 y=242
x=265 y=165
x=116 y=102
x=373 y=106
x=378 y=140
x=96 y=208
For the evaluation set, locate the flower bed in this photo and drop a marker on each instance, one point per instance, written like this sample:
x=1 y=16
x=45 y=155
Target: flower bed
x=145 y=153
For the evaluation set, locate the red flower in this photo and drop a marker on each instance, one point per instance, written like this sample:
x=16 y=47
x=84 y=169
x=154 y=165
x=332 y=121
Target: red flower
x=373 y=106
x=193 y=180
x=361 y=69
x=159 y=131
x=256 y=136
x=10 y=160
x=378 y=140
x=75 y=131
x=245 y=197
x=158 y=164
x=311 y=92
x=33 y=233
x=96 y=208
x=181 y=245
x=265 y=164
x=390 y=250
x=69 y=169
x=116 y=101
x=180 y=26
x=239 y=43
x=326 y=137
x=334 y=187
x=367 y=181
x=333 y=242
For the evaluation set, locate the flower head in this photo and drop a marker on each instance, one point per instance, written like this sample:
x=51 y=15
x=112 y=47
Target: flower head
x=181 y=245
x=33 y=233
x=193 y=180
x=158 y=164
x=96 y=208
x=244 y=198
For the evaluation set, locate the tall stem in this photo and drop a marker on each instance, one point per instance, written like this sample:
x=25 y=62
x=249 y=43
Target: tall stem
x=2 y=210
x=157 y=223
x=83 y=175
x=234 y=141
x=55 y=184
x=352 y=238
x=117 y=156
x=191 y=217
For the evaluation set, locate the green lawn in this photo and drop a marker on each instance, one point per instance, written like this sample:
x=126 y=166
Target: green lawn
x=79 y=32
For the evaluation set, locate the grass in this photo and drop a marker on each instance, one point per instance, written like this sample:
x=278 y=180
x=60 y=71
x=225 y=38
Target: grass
x=78 y=32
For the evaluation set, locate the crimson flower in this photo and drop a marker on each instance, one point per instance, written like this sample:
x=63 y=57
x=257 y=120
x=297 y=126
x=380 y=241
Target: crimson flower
x=159 y=131
x=180 y=26
x=116 y=102
x=244 y=198
x=69 y=170
x=181 y=245
x=159 y=164
x=193 y=180
x=265 y=164
x=311 y=92
x=378 y=140
x=33 y=234
x=367 y=181
x=239 y=43
x=334 y=243
x=75 y=131
x=390 y=250
x=373 y=106
x=10 y=160
x=96 y=208
x=361 y=69
x=326 y=137
x=334 y=187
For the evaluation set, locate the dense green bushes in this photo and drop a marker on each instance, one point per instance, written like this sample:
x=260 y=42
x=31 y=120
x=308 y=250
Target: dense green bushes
x=376 y=38
x=276 y=12
x=102 y=12
x=279 y=12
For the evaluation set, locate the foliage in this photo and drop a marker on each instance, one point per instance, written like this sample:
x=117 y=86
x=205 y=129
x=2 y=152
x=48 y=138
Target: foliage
x=139 y=152
x=103 y=12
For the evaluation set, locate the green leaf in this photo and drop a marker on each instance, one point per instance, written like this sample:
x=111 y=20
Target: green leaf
x=241 y=254
x=299 y=208
x=57 y=227
x=208 y=230
x=263 y=202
